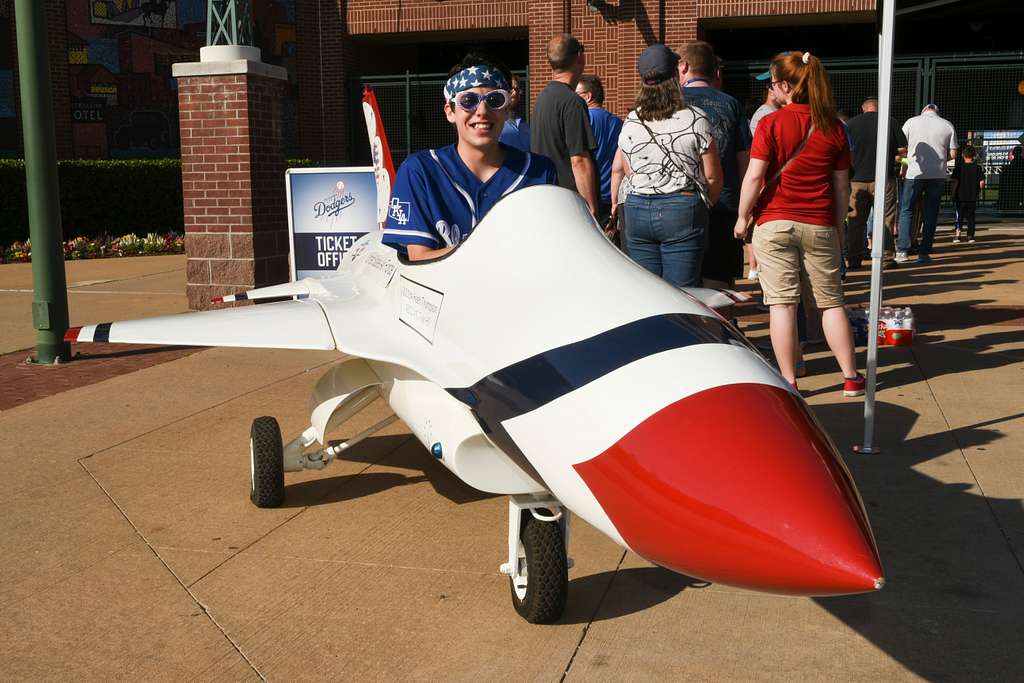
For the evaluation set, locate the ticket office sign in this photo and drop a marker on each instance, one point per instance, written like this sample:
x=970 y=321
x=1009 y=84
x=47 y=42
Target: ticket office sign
x=328 y=210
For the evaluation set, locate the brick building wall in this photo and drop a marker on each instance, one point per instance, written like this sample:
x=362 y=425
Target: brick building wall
x=742 y=8
x=324 y=68
x=614 y=35
x=56 y=22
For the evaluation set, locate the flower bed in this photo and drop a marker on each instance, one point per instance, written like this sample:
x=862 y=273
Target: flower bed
x=104 y=246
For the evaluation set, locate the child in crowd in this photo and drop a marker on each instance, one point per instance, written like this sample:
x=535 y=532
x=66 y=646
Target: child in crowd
x=968 y=182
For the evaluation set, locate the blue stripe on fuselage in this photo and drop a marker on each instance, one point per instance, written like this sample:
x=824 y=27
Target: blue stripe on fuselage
x=540 y=379
x=535 y=381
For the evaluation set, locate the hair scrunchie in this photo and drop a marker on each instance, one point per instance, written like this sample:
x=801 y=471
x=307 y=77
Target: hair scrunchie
x=806 y=57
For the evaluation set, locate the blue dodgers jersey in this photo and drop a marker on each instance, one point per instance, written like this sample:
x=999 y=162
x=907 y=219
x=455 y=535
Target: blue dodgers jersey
x=516 y=133
x=437 y=201
x=606 y=127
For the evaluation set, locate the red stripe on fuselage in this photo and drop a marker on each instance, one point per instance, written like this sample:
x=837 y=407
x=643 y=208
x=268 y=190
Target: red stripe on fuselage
x=72 y=334
x=738 y=485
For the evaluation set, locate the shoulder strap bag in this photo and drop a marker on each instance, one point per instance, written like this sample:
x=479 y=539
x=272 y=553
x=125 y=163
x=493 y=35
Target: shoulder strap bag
x=748 y=234
x=701 y=190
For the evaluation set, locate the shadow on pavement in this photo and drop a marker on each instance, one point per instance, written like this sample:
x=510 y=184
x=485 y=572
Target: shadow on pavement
x=141 y=350
x=399 y=450
x=636 y=589
x=342 y=488
x=950 y=609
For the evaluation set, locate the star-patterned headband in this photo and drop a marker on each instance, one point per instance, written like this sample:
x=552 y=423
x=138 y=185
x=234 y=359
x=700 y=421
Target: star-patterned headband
x=474 y=77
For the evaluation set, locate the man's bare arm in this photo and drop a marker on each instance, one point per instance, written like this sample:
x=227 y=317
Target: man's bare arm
x=585 y=172
x=418 y=252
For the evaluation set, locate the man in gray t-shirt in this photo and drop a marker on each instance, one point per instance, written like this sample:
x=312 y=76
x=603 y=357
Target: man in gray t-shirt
x=931 y=142
x=560 y=125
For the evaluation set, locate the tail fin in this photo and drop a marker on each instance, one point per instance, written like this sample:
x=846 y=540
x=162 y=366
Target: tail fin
x=380 y=152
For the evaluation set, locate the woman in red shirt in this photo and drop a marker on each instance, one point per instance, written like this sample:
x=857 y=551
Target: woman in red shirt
x=798 y=186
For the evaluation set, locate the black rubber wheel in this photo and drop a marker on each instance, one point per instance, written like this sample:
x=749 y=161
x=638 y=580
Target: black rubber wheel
x=266 y=461
x=540 y=592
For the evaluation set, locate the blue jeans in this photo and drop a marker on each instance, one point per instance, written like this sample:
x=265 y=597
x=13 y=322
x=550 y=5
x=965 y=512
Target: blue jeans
x=929 y=190
x=667 y=235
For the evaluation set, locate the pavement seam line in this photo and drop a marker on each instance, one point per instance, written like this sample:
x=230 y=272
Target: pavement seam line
x=382 y=565
x=89 y=283
x=170 y=571
x=967 y=462
x=64 y=579
x=593 y=615
x=192 y=414
x=124 y=514
x=285 y=521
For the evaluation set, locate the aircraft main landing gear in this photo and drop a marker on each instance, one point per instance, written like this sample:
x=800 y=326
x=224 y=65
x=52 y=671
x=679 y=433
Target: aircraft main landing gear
x=269 y=459
x=538 y=566
x=266 y=463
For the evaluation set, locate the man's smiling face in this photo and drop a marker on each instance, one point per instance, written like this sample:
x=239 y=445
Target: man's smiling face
x=478 y=128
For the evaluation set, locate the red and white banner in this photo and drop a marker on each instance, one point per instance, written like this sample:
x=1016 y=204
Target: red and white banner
x=383 y=167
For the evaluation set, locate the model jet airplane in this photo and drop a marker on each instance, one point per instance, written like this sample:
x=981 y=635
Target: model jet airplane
x=538 y=361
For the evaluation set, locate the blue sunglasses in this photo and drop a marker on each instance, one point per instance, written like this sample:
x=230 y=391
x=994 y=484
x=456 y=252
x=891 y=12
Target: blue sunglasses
x=469 y=100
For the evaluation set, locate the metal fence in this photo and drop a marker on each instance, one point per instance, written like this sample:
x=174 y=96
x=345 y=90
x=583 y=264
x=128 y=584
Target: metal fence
x=410 y=106
x=981 y=95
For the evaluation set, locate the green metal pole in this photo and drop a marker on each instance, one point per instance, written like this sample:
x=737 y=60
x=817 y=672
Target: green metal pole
x=50 y=299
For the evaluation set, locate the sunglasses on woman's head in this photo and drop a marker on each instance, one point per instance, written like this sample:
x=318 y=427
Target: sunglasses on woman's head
x=468 y=100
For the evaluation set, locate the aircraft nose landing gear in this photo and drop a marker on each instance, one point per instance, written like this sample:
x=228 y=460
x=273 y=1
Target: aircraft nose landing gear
x=538 y=566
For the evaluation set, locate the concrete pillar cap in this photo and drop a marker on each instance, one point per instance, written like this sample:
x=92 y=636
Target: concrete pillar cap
x=229 y=53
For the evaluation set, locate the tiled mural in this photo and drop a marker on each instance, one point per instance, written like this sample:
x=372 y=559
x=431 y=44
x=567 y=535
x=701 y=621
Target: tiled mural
x=123 y=98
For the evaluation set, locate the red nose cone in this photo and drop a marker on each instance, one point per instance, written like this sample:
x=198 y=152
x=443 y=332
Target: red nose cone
x=739 y=485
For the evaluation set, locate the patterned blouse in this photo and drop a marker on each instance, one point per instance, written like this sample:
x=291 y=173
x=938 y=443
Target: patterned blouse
x=670 y=162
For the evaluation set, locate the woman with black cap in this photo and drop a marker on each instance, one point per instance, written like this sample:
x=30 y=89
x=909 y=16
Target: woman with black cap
x=669 y=156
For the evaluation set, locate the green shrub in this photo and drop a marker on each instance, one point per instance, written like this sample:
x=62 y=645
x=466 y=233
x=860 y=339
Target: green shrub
x=100 y=196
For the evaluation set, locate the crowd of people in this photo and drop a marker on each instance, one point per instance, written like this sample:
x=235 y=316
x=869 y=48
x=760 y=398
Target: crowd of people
x=687 y=178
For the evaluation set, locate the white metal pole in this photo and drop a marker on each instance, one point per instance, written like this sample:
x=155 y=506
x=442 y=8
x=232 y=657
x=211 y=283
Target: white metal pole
x=882 y=164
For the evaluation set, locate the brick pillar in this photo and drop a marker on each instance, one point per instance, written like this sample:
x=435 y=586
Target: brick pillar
x=232 y=172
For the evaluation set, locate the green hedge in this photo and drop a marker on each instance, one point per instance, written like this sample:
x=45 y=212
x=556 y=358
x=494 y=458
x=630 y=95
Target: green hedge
x=96 y=197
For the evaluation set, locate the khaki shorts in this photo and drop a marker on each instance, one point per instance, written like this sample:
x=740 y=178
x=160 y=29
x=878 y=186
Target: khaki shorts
x=789 y=252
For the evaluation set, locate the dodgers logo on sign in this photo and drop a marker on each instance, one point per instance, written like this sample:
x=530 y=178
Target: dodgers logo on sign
x=399 y=211
x=333 y=204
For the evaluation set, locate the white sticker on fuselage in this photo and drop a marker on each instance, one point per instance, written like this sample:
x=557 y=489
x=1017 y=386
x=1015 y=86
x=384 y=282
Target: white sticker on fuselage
x=419 y=307
x=377 y=271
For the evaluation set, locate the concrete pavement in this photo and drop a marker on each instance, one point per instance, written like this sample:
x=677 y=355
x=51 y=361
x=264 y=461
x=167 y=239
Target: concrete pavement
x=98 y=289
x=129 y=548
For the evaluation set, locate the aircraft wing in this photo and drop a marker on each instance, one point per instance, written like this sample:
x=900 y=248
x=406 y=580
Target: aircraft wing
x=282 y=325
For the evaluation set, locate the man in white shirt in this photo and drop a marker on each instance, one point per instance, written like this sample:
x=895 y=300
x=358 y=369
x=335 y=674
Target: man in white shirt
x=931 y=142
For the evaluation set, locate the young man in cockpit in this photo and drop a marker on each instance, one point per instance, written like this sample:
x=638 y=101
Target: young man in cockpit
x=440 y=195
